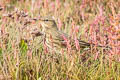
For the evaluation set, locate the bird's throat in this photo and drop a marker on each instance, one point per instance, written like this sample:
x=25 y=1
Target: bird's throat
x=51 y=31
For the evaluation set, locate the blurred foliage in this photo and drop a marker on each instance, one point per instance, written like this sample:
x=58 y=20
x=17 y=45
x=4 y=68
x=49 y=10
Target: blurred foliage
x=0 y=51
x=23 y=47
x=23 y=55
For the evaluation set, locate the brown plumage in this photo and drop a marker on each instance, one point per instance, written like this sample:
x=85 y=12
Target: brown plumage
x=54 y=37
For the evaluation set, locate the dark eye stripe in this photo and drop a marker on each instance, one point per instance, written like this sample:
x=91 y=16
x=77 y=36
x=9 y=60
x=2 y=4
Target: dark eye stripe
x=46 y=20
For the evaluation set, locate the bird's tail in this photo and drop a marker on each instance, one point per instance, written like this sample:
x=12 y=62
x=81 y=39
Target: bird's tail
x=83 y=43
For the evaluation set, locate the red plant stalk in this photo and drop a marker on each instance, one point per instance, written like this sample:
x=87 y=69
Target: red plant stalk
x=59 y=24
x=45 y=46
x=45 y=4
x=72 y=29
x=29 y=54
x=96 y=56
x=77 y=43
x=52 y=5
x=52 y=45
x=76 y=30
x=67 y=42
x=57 y=4
x=3 y=26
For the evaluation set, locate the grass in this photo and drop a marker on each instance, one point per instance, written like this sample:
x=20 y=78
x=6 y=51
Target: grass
x=23 y=55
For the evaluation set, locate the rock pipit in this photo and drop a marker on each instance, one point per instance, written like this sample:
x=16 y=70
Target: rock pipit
x=55 y=38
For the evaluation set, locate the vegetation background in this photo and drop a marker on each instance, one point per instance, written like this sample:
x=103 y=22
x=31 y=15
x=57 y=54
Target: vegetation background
x=23 y=55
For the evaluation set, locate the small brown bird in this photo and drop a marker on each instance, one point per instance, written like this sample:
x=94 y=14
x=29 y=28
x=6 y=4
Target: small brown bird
x=55 y=38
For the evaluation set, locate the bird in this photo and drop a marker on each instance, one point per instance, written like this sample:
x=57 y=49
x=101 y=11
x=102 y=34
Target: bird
x=55 y=39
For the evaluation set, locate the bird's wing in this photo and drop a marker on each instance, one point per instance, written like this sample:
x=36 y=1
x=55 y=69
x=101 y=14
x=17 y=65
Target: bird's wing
x=63 y=37
x=83 y=43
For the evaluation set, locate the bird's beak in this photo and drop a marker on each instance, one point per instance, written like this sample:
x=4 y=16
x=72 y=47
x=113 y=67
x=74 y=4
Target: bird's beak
x=40 y=20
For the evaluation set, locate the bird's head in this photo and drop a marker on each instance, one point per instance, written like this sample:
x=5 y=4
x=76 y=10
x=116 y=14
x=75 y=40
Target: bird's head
x=48 y=23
